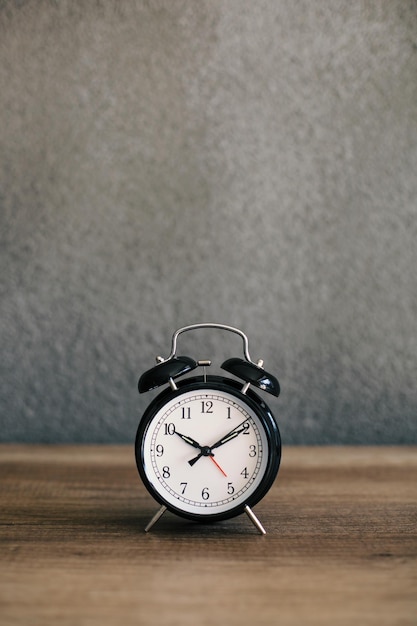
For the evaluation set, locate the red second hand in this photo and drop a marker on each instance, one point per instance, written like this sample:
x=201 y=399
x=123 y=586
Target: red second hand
x=215 y=463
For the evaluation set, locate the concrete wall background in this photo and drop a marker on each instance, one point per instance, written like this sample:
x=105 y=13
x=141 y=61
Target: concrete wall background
x=170 y=162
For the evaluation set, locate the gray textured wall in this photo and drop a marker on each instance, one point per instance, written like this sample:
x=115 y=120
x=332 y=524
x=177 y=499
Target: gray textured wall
x=169 y=162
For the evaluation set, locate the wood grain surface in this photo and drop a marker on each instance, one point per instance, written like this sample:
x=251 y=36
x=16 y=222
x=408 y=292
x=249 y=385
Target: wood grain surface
x=340 y=548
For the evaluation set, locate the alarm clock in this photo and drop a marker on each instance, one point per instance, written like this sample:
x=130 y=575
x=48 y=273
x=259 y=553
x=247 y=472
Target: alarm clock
x=208 y=447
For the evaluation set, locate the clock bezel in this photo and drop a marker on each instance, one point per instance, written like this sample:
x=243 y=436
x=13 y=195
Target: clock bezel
x=260 y=408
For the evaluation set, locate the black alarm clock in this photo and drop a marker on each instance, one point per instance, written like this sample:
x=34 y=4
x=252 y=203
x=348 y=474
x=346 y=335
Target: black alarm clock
x=208 y=447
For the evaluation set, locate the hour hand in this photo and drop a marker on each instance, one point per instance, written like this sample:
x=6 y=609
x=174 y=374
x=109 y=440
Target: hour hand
x=189 y=440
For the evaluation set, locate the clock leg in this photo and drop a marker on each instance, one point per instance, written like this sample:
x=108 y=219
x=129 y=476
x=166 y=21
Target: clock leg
x=254 y=520
x=155 y=518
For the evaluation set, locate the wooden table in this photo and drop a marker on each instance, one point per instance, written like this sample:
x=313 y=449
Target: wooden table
x=340 y=548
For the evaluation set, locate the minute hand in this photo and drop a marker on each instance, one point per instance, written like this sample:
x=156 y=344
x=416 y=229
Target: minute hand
x=231 y=435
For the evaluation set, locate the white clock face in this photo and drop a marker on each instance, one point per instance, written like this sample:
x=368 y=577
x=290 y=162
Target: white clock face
x=205 y=452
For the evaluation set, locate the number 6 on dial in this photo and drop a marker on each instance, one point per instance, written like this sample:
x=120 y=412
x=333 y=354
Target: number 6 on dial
x=208 y=448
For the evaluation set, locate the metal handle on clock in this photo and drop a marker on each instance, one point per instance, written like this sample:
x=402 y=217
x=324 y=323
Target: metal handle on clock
x=209 y=325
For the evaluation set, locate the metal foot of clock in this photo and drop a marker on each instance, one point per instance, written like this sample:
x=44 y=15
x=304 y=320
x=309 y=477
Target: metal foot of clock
x=155 y=518
x=208 y=447
x=255 y=520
